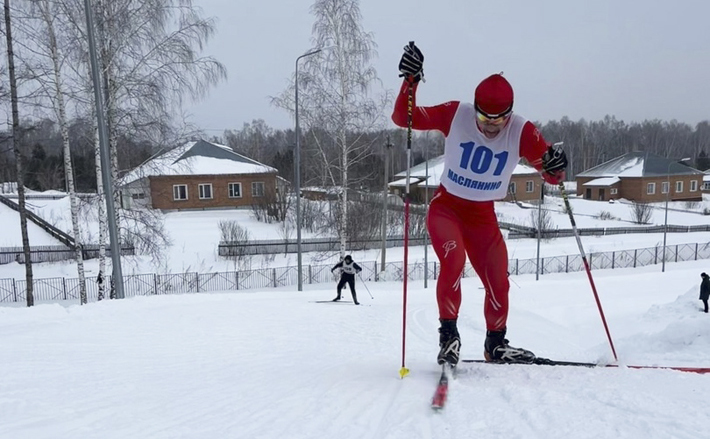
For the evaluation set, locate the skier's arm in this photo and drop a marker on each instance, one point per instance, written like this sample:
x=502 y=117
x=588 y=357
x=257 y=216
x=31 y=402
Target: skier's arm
x=533 y=146
x=357 y=267
x=438 y=117
x=338 y=265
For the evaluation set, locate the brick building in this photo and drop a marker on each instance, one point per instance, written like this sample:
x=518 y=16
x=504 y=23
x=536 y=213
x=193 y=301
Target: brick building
x=198 y=175
x=641 y=177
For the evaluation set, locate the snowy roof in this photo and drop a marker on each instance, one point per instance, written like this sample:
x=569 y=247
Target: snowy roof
x=639 y=164
x=197 y=158
x=436 y=170
x=604 y=181
x=403 y=181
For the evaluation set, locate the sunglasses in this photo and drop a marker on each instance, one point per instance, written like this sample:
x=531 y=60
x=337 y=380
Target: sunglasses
x=495 y=120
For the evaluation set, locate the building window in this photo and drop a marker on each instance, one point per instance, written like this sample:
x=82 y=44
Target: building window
x=205 y=191
x=613 y=191
x=693 y=185
x=511 y=187
x=650 y=188
x=179 y=192
x=678 y=186
x=529 y=186
x=139 y=196
x=257 y=189
x=235 y=190
x=664 y=187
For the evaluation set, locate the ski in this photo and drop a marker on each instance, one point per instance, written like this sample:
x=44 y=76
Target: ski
x=330 y=301
x=541 y=361
x=442 y=388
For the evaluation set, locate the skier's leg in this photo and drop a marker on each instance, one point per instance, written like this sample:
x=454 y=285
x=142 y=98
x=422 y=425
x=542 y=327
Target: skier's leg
x=351 y=284
x=489 y=256
x=341 y=284
x=446 y=238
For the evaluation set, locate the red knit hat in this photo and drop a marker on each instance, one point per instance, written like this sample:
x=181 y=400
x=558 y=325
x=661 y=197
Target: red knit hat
x=494 y=96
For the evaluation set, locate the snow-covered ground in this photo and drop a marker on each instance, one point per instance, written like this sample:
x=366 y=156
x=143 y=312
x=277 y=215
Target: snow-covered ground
x=274 y=364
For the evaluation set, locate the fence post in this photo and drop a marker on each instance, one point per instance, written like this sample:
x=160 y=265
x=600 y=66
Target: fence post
x=655 y=255
x=310 y=274
x=696 y=251
x=273 y=274
x=590 y=260
x=676 y=252
x=517 y=266
x=14 y=289
x=155 y=283
x=64 y=287
x=613 y=254
x=567 y=264
x=197 y=281
x=236 y=278
x=635 y=254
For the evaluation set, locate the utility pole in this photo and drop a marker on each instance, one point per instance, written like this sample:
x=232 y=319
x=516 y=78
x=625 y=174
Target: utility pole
x=385 y=192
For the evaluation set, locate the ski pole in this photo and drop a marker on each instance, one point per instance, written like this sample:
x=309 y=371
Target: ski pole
x=410 y=108
x=586 y=266
x=365 y=285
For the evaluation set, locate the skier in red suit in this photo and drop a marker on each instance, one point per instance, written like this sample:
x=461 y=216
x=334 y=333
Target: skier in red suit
x=484 y=142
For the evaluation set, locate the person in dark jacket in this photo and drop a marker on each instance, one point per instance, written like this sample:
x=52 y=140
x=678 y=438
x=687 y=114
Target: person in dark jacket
x=348 y=268
x=705 y=290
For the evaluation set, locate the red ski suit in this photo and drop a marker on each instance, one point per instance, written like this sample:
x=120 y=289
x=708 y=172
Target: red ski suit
x=461 y=219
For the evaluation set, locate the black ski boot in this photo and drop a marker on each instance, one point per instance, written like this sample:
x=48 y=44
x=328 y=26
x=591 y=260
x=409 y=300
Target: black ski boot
x=497 y=349
x=449 y=342
x=355 y=298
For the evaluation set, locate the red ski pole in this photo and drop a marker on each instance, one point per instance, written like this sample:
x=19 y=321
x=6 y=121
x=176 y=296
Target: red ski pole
x=410 y=104
x=586 y=266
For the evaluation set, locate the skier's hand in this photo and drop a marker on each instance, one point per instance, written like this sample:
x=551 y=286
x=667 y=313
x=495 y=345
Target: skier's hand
x=554 y=159
x=411 y=66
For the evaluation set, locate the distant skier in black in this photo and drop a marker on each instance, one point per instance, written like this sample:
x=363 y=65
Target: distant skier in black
x=348 y=269
x=704 y=290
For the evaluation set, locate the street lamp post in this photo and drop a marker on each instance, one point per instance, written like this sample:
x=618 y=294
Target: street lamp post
x=297 y=177
x=665 y=221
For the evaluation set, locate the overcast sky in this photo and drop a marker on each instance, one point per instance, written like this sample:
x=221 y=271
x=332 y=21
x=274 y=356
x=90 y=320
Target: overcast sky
x=636 y=60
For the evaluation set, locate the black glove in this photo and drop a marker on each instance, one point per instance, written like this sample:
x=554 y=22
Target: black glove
x=412 y=62
x=554 y=160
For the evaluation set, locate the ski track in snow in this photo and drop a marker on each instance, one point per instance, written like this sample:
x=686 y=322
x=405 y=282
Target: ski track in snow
x=271 y=364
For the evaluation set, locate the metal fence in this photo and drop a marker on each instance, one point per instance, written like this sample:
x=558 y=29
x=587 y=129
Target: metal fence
x=531 y=232
x=55 y=253
x=54 y=289
x=276 y=246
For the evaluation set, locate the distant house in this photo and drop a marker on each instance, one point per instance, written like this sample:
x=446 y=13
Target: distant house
x=525 y=183
x=641 y=177
x=198 y=175
x=706 y=181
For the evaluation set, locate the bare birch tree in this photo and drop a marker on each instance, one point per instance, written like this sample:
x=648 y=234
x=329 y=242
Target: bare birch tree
x=18 y=155
x=52 y=85
x=336 y=86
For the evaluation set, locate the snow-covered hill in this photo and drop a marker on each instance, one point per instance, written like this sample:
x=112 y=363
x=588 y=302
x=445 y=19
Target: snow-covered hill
x=274 y=364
